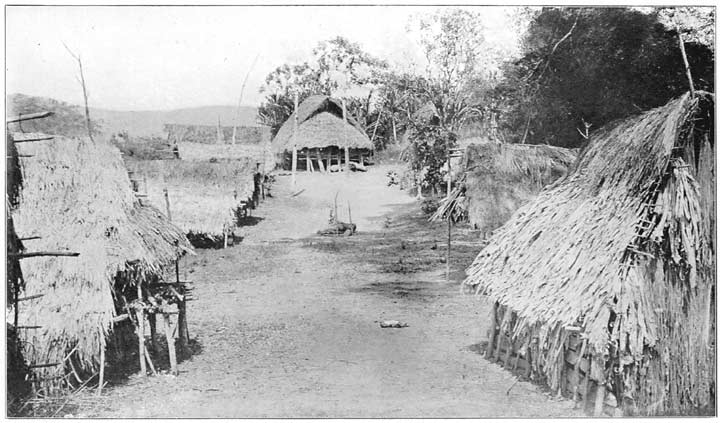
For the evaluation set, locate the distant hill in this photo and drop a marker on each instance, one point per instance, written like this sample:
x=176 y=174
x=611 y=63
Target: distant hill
x=140 y=123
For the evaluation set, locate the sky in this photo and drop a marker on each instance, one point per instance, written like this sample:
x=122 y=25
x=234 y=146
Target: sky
x=158 y=58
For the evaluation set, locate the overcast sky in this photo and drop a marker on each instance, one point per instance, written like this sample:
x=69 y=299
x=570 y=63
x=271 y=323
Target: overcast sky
x=151 y=58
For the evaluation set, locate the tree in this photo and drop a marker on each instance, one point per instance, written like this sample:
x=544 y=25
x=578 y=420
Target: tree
x=338 y=67
x=593 y=65
x=462 y=65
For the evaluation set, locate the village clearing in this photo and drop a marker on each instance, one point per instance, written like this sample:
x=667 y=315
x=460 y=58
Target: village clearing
x=286 y=323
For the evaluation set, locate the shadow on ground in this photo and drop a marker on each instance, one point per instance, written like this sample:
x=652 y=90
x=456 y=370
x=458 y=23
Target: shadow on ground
x=406 y=245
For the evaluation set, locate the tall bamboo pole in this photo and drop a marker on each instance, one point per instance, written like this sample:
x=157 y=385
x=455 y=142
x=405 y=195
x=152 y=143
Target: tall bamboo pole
x=685 y=60
x=84 y=89
x=242 y=90
x=347 y=148
x=294 y=140
x=219 y=132
x=167 y=203
x=449 y=216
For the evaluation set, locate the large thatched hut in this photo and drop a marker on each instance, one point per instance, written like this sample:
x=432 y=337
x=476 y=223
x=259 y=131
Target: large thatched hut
x=96 y=244
x=606 y=281
x=500 y=177
x=321 y=137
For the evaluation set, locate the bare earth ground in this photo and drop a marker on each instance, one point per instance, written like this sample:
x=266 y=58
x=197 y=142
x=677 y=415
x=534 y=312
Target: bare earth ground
x=287 y=322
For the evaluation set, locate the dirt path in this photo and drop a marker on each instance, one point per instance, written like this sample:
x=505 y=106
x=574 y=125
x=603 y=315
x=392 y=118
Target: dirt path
x=287 y=321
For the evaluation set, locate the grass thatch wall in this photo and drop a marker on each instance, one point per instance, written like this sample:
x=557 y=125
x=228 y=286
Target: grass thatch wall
x=76 y=196
x=204 y=196
x=320 y=124
x=502 y=177
x=252 y=153
x=622 y=248
x=145 y=148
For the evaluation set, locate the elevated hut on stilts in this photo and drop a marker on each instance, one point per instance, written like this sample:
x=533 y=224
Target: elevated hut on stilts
x=326 y=138
x=96 y=261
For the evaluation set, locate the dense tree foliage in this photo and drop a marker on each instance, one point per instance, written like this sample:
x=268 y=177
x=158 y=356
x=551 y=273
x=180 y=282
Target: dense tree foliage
x=588 y=66
x=339 y=68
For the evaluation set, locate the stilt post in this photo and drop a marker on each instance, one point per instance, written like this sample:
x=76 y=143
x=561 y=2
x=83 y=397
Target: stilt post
x=170 y=343
x=294 y=140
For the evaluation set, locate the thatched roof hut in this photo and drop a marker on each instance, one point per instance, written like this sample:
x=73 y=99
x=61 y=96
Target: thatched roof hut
x=622 y=250
x=76 y=197
x=499 y=178
x=320 y=125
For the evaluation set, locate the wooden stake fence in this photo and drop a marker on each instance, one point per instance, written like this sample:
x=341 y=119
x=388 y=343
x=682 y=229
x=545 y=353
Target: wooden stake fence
x=580 y=370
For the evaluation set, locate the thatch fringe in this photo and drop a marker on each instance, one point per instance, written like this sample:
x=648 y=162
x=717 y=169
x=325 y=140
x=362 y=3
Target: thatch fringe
x=320 y=124
x=77 y=197
x=623 y=248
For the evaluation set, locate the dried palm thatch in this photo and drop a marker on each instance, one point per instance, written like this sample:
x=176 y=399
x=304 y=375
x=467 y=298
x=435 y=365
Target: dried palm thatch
x=320 y=124
x=203 y=196
x=622 y=248
x=254 y=153
x=76 y=196
x=499 y=178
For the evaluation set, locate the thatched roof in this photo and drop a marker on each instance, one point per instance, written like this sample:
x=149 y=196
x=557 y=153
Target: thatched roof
x=203 y=195
x=499 y=178
x=320 y=124
x=623 y=249
x=76 y=196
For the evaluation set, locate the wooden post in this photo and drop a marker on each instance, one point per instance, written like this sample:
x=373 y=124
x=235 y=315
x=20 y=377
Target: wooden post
x=170 y=343
x=308 y=161
x=219 y=132
x=528 y=358
x=294 y=141
x=183 y=333
x=576 y=370
x=347 y=150
x=321 y=166
x=599 y=399
x=152 y=323
x=508 y=354
x=329 y=159
x=349 y=213
x=140 y=315
x=347 y=160
x=102 y=370
x=167 y=203
x=586 y=385
x=685 y=60
x=491 y=339
x=149 y=362
x=499 y=338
